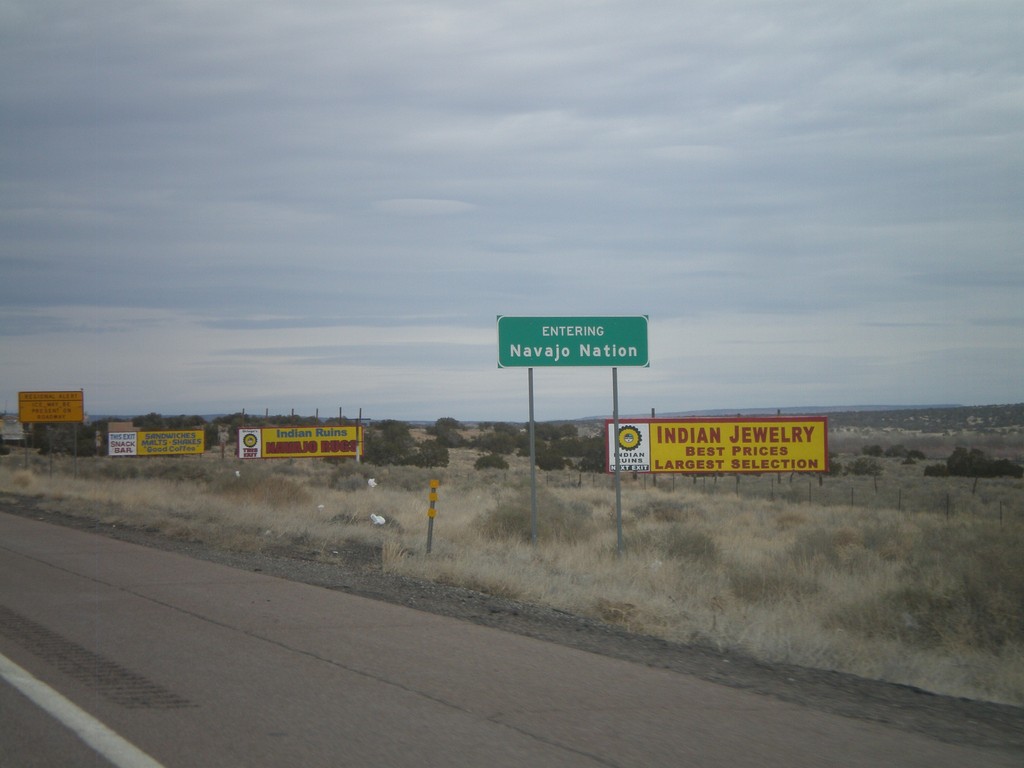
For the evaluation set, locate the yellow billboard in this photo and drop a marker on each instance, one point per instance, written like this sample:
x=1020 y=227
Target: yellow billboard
x=51 y=407
x=712 y=446
x=299 y=442
x=157 y=443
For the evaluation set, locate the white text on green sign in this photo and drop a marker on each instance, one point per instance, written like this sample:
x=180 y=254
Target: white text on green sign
x=528 y=342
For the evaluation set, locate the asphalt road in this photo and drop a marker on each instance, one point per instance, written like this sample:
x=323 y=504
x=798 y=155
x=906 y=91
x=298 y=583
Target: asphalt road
x=198 y=664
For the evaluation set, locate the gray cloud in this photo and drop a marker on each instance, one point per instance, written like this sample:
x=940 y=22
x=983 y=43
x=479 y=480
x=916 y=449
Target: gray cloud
x=301 y=166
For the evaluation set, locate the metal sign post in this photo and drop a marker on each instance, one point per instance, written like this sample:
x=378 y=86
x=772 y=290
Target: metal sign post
x=533 y=465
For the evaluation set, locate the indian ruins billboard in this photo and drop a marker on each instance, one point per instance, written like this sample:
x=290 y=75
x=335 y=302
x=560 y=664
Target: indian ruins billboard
x=299 y=442
x=719 y=445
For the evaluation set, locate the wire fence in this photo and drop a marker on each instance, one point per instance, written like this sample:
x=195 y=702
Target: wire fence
x=997 y=498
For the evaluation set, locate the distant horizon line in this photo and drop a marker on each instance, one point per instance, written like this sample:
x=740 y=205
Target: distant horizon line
x=753 y=411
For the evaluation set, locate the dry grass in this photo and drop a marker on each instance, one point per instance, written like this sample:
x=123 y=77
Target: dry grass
x=901 y=592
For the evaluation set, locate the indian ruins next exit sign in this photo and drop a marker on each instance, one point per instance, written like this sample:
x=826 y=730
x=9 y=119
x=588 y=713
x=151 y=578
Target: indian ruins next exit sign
x=534 y=342
x=720 y=445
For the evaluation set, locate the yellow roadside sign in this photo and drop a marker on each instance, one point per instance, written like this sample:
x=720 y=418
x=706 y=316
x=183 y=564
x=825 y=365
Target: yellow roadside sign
x=48 y=407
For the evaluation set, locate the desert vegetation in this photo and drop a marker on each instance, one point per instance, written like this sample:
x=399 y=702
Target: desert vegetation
x=885 y=572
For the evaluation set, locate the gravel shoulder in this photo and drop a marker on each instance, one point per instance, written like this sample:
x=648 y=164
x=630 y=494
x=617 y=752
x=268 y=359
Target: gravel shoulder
x=358 y=571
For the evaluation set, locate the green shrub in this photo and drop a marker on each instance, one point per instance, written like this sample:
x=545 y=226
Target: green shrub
x=549 y=459
x=388 y=442
x=974 y=463
x=490 y=461
x=431 y=453
x=503 y=439
x=864 y=465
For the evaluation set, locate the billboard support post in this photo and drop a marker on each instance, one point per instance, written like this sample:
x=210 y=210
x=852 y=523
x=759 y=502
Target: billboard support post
x=533 y=463
x=359 y=444
x=618 y=464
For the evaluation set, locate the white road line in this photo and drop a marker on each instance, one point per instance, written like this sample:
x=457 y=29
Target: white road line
x=90 y=730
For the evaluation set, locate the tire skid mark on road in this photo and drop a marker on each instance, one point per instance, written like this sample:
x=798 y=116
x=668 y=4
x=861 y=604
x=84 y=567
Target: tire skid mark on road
x=115 y=682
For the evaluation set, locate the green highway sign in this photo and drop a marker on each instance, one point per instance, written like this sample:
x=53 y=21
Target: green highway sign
x=534 y=342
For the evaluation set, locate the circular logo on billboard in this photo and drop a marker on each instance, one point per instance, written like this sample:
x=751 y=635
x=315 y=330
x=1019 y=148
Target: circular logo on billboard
x=629 y=438
x=250 y=440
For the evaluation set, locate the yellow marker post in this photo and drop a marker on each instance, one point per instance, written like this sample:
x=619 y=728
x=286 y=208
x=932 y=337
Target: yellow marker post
x=431 y=513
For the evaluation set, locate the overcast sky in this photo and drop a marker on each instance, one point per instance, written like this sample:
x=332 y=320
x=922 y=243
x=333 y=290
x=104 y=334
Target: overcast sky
x=211 y=205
